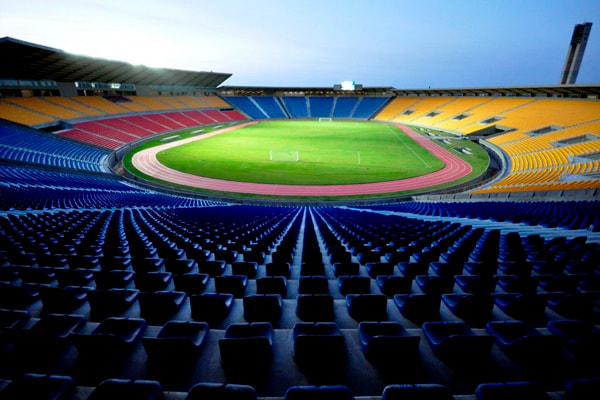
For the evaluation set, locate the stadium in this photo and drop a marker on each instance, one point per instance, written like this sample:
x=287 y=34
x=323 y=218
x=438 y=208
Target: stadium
x=165 y=235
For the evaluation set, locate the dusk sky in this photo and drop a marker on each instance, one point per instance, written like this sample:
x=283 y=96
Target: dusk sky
x=404 y=44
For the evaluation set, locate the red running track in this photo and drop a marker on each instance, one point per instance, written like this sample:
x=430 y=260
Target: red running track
x=455 y=168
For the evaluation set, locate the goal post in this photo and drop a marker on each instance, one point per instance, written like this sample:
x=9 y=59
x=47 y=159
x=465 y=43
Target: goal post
x=284 y=155
x=325 y=119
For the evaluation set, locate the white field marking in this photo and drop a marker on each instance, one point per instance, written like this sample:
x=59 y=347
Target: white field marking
x=408 y=147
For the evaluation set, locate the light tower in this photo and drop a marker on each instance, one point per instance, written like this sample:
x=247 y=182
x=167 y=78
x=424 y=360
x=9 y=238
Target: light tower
x=581 y=33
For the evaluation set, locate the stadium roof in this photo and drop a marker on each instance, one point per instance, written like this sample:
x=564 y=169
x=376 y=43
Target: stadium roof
x=581 y=90
x=28 y=61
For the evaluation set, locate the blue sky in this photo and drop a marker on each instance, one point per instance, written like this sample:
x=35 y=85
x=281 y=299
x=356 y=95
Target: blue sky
x=405 y=44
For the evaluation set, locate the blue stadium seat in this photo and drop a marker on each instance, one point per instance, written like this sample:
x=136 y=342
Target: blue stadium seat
x=582 y=337
x=344 y=107
x=368 y=106
x=386 y=342
x=315 y=307
x=177 y=342
x=521 y=341
x=582 y=389
x=272 y=285
x=262 y=307
x=318 y=345
x=418 y=307
x=128 y=389
x=296 y=106
x=202 y=391
x=111 y=303
x=161 y=306
x=374 y=269
x=345 y=268
x=247 y=106
x=354 y=285
x=423 y=391
x=270 y=106
x=113 y=338
x=313 y=285
x=456 y=341
x=510 y=390
x=211 y=307
x=367 y=307
x=337 y=392
x=247 y=346
x=393 y=285
x=476 y=310
x=232 y=284
x=39 y=386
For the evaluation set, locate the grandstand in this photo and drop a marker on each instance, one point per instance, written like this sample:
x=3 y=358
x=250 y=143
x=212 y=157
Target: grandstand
x=108 y=286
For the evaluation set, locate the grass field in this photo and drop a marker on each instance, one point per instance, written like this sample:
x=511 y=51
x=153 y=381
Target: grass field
x=328 y=153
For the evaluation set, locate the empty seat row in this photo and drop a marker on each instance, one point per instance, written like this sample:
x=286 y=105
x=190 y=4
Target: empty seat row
x=63 y=387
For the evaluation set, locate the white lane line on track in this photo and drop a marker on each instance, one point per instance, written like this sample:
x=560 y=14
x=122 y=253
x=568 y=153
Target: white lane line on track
x=401 y=139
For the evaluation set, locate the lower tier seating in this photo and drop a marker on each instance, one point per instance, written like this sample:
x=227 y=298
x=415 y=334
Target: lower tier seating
x=179 y=298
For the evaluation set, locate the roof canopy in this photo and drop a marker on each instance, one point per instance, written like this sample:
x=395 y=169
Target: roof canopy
x=28 y=61
x=582 y=90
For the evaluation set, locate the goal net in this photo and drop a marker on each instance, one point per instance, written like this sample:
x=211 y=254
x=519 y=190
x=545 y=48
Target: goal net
x=283 y=155
x=323 y=119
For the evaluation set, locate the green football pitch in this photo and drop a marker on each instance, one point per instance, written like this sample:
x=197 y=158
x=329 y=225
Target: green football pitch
x=305 y=152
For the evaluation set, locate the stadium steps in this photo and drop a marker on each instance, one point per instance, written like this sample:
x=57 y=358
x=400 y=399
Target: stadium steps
x=500 y=113
x=62 y=106
x=464 y=112
x=416 y=103
x=258 y=106
x=102 y=112
x=158 y=122
x=557 y=130
x=432 y=109
x=308 y=112
x=380 y=108
x=119 y=130
x=333 y=106
x=32 y=110
x=166 y=115
x=355 y=107
x=282 y=106
x=100 y=136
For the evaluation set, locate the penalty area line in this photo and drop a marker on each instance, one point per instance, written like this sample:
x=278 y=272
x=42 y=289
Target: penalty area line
x=408 y=147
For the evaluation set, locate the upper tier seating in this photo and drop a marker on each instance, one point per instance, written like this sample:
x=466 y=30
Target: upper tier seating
x=367 y=106
x=21 y=115
x=261 y=107
x=344 y=106
x=41 y=110
x=270 y=105
x=320 y=106
x=40 y=105
x=247 y=106
x=296 y=106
